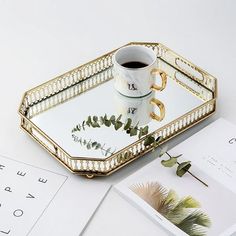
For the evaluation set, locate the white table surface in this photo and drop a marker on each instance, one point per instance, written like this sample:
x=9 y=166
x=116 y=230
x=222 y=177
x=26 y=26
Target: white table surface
x=41 y=39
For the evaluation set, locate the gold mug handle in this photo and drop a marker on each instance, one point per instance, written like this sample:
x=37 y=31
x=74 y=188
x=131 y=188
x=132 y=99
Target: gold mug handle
x=161 y=107
x=155 y=72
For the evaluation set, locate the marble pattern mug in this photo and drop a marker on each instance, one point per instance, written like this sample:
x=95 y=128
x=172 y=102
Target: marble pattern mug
x=136 y=71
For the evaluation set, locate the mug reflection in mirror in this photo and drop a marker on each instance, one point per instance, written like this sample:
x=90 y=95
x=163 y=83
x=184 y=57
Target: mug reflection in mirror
x=140 y=110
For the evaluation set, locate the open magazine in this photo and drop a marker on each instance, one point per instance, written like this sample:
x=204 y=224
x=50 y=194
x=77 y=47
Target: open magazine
x=183 y=205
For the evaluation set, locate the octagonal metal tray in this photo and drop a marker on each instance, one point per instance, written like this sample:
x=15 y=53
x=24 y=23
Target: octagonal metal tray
x=50 y=111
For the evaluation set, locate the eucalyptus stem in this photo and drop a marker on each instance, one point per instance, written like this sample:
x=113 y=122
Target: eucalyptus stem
x=194 y=176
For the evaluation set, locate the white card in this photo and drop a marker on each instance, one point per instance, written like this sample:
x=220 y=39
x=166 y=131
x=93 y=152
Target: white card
x=212 y=209
x=36 y=202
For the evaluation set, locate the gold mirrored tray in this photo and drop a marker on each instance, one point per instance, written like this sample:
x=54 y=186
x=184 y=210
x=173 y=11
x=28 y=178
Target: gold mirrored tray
x=55 y=113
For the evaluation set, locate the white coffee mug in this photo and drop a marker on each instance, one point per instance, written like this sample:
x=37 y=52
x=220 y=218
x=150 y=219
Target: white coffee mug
x=139 y=110
x=136 y=71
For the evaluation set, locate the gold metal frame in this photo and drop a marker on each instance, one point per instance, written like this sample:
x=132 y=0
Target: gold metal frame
x=86 y=77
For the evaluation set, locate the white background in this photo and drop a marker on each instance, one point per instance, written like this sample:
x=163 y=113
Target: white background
x=42 y=39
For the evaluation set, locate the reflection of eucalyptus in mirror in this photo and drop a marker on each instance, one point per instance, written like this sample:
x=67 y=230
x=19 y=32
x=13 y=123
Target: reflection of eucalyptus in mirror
x=183 y=212
x=139 y=110
x=92 y=144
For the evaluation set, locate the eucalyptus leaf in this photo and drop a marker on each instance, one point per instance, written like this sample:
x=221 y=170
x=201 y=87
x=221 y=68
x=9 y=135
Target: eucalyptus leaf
x=112 y=119
x=107 y=123
x=170 y=162
x=83 y=124
x=94 y=144
x=75 y=129
x=118 y=124
x=149 y=140
x=95 y=118
x=88 y=146
x=183 y=168
x=95 y=125
x=102 y=120
x=127 y=124
x=145 y=130
x=98 y=146
x=133 y=131
x=89 y=121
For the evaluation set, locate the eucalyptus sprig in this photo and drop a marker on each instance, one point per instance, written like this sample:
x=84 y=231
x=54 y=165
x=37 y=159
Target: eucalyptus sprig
x=182 y=167
x=97 y=122
x=90 y=144
x=135 y=130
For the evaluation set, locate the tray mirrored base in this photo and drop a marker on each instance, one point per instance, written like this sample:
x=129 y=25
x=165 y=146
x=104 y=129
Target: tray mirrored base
x=59 y=121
